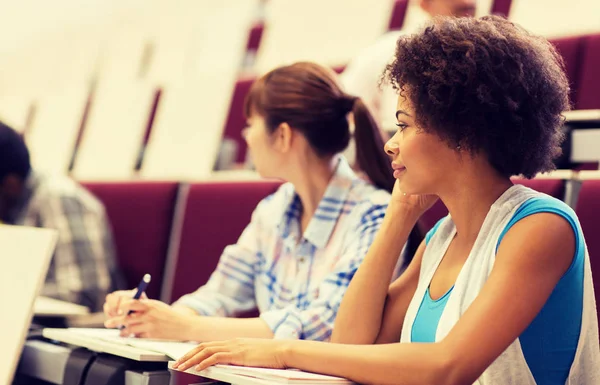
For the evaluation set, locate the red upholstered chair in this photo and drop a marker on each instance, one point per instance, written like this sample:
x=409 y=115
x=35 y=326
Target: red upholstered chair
x=588 y=211
x=588 y=95
x=141 y=214
x=501 y=7
x=216 y=213
x=255 y=35
x=236 y=120
x=552 y=187
x=431 y=217
x=398 y=14
x=571 y=50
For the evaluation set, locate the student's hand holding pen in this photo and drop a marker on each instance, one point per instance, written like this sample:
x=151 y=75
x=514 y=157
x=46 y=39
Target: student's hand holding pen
x=135 y=315
x=113 y=305
x=153 y=319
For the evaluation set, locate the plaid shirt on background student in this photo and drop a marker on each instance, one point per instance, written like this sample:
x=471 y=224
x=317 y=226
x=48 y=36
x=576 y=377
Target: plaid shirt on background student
x=296 y=280
x=83 y=268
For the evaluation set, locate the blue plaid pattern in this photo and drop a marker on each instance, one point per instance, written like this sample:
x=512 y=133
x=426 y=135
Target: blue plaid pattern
x=296 y=280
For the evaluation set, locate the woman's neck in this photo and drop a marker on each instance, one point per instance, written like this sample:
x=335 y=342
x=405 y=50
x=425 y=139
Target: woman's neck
x=469 y=197
x=311 y=183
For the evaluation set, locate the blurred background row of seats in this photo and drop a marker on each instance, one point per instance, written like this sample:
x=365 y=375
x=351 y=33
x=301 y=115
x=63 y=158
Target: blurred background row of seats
x=113 y=90
x=176 y=231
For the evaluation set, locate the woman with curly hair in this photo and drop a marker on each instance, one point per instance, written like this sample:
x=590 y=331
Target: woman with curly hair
x=500 y=291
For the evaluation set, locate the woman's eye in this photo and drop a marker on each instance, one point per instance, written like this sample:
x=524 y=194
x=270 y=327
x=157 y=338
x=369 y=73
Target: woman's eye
x=401 y=126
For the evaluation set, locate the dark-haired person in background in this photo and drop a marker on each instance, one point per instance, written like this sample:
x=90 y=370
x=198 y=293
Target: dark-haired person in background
x=82 y=269
x=500 y=291
x=295 y=259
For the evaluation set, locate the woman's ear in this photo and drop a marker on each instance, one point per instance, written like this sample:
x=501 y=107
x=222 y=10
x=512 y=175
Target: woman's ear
x=284 y=136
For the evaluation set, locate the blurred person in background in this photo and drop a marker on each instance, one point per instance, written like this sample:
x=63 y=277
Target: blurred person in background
x=83 y=268
x=296 y=258
x=363 y=75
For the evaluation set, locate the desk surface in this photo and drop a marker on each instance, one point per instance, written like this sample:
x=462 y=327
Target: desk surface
x=97 y=345
x=50 y=307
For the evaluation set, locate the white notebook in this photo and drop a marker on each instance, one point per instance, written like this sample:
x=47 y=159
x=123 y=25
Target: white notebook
x=241 y=375
x=109 y=341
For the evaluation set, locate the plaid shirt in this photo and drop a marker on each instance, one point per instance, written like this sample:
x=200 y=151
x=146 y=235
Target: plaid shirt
x=83 y=264
x=296 y=280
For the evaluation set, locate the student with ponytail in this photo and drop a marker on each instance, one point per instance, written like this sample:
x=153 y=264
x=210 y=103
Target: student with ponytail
x=501 y=290
x=295 y=259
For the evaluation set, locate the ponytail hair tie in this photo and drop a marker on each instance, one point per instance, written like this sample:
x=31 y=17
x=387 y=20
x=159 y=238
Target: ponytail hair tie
x=347 y=103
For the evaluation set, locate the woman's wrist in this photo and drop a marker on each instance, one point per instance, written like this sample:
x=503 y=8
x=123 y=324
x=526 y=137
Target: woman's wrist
x=196 y=328
x=401 y=214
x=285 y=353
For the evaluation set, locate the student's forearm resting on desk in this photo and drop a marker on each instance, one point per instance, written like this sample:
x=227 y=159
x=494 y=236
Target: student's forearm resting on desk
x=361 y=312
x=373 y=364
x=221 y=328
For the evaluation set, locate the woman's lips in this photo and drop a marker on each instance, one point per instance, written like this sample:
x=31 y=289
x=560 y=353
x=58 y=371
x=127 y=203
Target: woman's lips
x=398 y=170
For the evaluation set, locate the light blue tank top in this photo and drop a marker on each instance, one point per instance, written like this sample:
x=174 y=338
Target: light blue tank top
x=550 y=341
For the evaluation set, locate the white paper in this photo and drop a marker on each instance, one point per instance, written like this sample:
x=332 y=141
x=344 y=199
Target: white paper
x=173 y=349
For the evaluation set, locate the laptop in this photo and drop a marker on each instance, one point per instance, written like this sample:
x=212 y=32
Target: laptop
x=25 y=255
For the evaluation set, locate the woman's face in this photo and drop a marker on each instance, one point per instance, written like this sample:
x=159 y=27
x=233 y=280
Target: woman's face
x=421 y=160
x=262 y=148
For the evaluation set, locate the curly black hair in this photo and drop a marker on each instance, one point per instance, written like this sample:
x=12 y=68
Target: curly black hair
x=486 y=85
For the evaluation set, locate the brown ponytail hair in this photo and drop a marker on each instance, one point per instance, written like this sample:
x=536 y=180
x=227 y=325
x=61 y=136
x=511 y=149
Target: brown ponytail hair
x=308 y=98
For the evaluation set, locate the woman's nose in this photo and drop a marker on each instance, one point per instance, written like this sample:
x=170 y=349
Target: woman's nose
x=391 y=148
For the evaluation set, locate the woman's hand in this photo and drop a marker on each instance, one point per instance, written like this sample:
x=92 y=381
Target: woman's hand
x=113 y=302
x=265 y=353
x=417 y=204
x=153 y=319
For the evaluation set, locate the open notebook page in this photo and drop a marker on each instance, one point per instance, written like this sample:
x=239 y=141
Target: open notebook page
x=284 y=376
x=173 y=349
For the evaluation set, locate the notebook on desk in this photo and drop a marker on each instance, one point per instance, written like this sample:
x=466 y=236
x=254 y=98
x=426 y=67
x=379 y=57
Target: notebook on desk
x=241 y=375
x=109 y=341
x=25 y=254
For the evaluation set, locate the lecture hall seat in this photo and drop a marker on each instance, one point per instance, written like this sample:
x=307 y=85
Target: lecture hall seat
x=236 y=121
x=254 y=36
x=398 y=14
x=588 y=96
x=571 y=49
x=141 y=214
x=588 y=211
x=552 y=187
x=501 y=7
x=216 y=213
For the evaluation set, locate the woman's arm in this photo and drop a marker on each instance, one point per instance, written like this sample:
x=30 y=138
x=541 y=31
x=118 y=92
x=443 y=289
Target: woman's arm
x=533 y=256
x=359 y=317
x=399 y=296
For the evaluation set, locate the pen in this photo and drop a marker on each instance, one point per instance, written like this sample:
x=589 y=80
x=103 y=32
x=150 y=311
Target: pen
x=140 y=289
